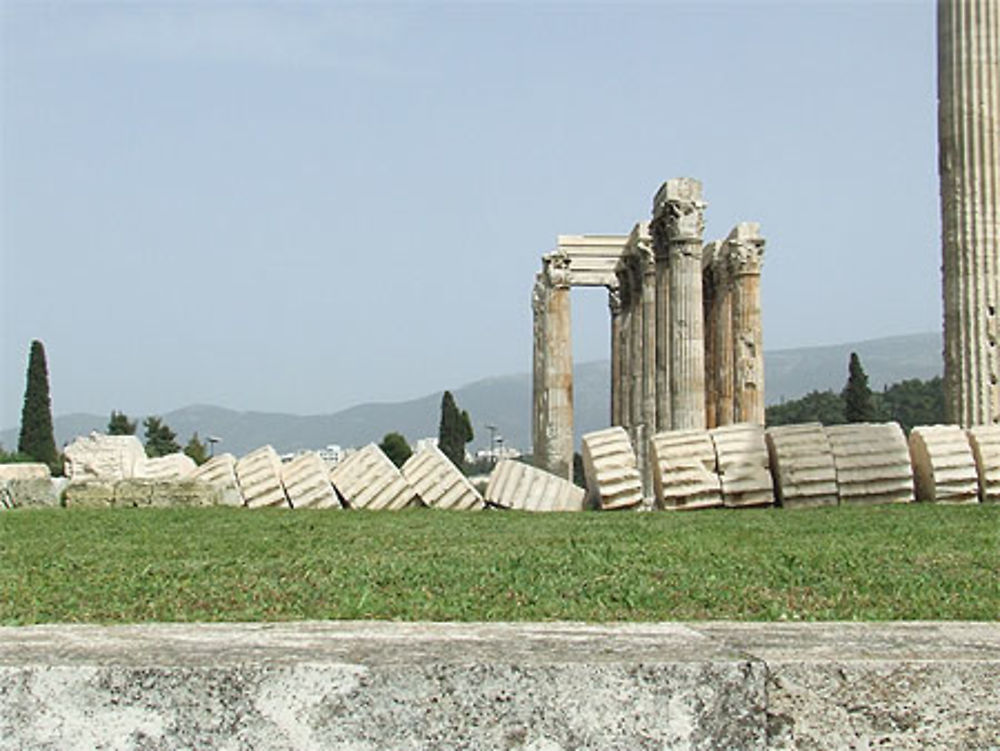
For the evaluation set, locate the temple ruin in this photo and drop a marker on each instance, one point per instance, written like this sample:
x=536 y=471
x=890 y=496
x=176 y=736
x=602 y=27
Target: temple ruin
x=686 y=341
x=969 y=165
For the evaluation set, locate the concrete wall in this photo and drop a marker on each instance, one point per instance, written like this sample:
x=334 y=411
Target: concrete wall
x=543 y=687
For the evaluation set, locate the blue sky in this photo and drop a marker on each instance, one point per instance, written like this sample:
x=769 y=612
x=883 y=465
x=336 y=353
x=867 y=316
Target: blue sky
x=299 y=207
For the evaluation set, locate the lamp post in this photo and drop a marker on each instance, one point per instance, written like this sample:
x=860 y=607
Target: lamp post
x=493 y=430
x=212 y=440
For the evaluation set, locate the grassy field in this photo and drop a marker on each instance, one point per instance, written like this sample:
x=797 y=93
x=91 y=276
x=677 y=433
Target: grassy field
x=879 y=563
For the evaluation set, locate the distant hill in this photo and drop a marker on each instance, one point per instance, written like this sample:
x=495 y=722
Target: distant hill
x=505 y=401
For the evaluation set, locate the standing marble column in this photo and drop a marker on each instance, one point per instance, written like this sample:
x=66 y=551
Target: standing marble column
x=969 y=166
x=635 y=342
x=553 y=447
x=745 y=252
x=677 y=227
x=615 y=308
x=626 y=350
x=661 y=350
x=648 y=270
x=723 y=375
x=539 y=407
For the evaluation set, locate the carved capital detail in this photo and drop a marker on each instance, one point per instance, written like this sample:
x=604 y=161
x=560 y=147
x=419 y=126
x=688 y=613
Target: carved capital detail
x=745 y=256
x=557 y=270
x=678 y=212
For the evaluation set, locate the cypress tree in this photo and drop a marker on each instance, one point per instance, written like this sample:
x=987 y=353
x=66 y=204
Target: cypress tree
x=859 y=406
x=454 y=430
x=37 y=438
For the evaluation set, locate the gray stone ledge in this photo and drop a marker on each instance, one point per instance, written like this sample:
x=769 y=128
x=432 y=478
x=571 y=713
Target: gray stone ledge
x=549 y=686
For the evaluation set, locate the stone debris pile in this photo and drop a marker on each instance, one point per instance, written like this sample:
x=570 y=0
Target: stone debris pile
x=734 y=466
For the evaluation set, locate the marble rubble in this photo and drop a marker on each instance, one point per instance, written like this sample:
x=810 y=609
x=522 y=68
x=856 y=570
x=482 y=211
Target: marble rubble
x=367 y=479
x=519 y=486
x=438 y=482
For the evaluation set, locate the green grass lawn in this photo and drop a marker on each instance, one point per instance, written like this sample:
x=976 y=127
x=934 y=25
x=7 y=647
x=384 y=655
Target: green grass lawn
x=879 y=563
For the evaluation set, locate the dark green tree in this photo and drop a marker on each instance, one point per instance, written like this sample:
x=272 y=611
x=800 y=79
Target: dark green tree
x=394 y=446
x=859 y=406
x=196 y=450
x=454 y=430
x=37 y=439
x=160 y=439
x=119 y=424
x=914 y=402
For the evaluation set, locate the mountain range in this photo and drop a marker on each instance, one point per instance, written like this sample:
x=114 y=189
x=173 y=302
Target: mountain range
x=505 y=402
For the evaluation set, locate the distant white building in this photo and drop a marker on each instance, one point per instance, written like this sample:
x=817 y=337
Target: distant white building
x=423 y=443
x=332 y=454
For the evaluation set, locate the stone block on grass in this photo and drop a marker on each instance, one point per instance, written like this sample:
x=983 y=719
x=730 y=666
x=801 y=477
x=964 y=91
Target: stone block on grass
x=259 y=477
x=744 y=466
x=944 y=468
x=684 y=470
x=438 y=482
x=367 y=479
x=609 y=464
x=802 y=465
x=519 y=486
x=873 y=463
x=307 y=482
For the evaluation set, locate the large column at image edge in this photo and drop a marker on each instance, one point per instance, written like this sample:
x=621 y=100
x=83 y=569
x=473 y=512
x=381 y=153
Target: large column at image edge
x=969 y=167
x=745 y=254
x=559 y=382
x=678 y=225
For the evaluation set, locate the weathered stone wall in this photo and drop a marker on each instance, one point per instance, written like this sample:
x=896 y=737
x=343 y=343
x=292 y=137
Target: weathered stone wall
x=533 y=687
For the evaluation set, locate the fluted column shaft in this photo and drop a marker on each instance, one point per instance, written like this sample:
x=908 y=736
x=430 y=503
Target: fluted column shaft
x=553 y=447
x=661 y=348
x=678 y=224
x=969 y=167
x=649 y=373
x=744 y=250
x=539 y=410
x=723 y=375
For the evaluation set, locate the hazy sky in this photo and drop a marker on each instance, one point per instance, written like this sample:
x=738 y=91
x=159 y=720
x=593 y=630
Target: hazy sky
x=298 y=207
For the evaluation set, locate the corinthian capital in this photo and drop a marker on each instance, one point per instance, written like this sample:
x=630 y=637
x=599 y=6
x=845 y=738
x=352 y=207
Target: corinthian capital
x=557 y=269
x=678 y=211
x=745 y=249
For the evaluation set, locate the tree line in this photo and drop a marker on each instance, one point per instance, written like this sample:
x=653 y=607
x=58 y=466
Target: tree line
x=910 y=402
